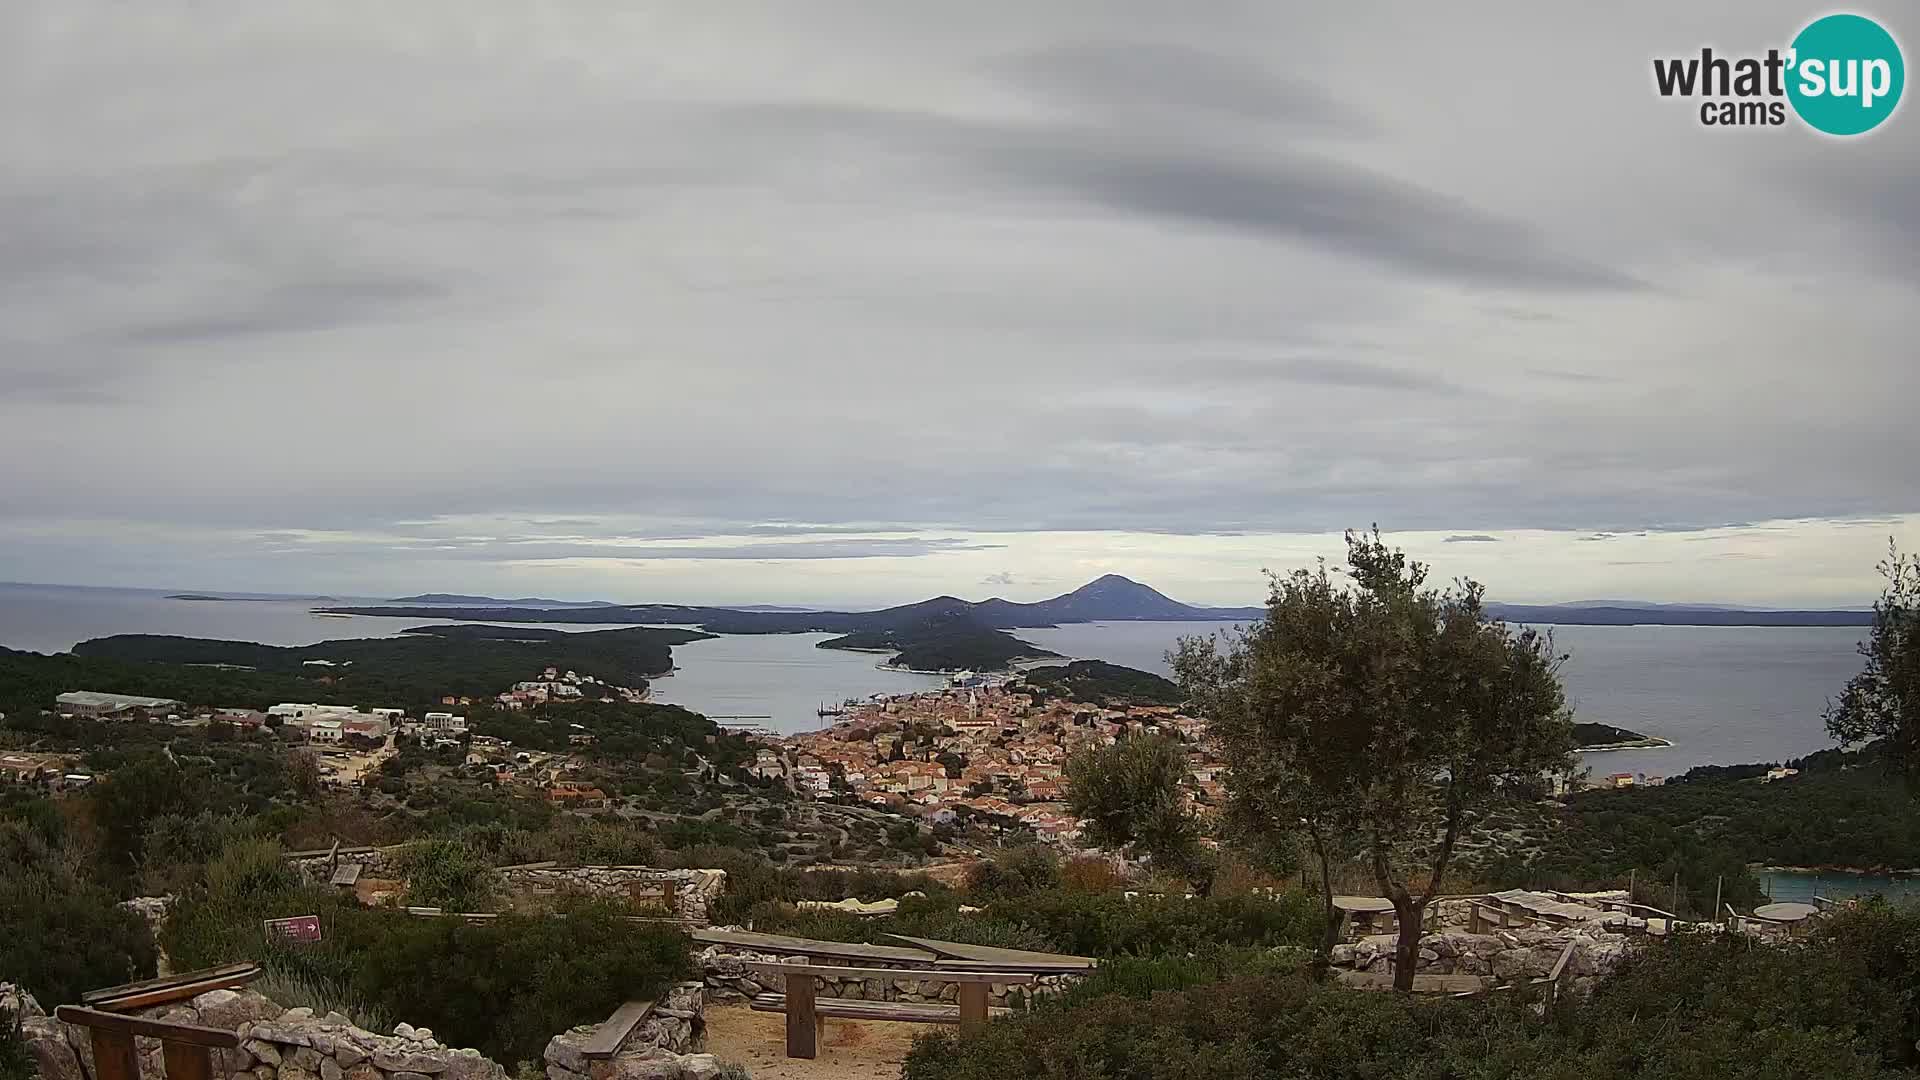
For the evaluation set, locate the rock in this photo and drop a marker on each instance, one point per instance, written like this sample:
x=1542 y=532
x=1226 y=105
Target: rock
x=338 y=1019
x=555 y=1072
x=653 y=1065
x=296 y=1016
x=700 y=1067
x=288 y=1072
x=230 y=1008
x=471 y=1065
x=404 y=1031
x=364 y=1071
x=563 y=1050
x=1341 y=955
x=389 y=1061
x=331 y=1070
x=407 y=1076
x=268 y=1053
x=53 y=1055
x=304 y=1058
x=347 y=1053
x=15 y=1001
x=423 y=1034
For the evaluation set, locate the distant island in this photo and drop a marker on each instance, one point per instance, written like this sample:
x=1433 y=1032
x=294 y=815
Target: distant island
x=1100 y=683
x=207 y=597
x=941 y=643
x=1110 y=598
x=1589 y=738
x=524 y=601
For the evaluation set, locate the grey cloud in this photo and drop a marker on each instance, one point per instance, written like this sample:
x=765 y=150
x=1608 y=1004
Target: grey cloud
x=1004 y=577
x=1471 y=538
x=543 y=550
x=1168 y=77
x=290 y=307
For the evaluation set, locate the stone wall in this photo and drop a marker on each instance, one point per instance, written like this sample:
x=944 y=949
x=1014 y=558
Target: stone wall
x=294 y=1044
x=729 y=979
x=1507 y=956
x=694 y=890
x=276 y=1044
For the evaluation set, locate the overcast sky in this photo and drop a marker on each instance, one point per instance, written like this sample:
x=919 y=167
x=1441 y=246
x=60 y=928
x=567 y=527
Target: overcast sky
x=821 y=302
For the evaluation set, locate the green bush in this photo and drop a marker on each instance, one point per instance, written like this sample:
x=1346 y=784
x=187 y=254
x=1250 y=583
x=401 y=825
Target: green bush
x=61 y=931
x=447 y=874
x=1108 y=924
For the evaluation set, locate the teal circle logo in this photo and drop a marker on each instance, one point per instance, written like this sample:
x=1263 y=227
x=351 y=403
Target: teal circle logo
x=1846 y=74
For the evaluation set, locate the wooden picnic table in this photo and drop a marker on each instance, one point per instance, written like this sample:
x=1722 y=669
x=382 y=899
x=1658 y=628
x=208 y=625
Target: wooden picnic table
x=796 y=946
x=804 y=1011
x=957 y=954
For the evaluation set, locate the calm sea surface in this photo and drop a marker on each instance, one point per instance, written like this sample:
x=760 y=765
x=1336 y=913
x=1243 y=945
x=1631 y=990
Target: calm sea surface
x=1723 y=695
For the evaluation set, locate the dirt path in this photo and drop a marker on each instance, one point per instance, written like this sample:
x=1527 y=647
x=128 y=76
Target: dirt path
x=849 y=1049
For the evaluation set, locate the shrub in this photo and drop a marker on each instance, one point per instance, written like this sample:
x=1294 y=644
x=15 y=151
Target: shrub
x=1692 y=1008
x=62 y=933
x=1147 y=925
x=447 y=874
x=1015 y=872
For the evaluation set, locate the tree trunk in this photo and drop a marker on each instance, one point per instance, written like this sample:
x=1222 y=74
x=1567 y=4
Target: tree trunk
x=1406 y=949
x=1330 y=919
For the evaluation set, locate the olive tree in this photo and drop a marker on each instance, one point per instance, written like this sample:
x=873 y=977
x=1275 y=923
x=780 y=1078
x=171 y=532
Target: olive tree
x=1380 y=711
x=1883 y=700
x=1128 y=797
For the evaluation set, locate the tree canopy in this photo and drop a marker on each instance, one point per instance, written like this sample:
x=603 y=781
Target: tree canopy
x=1378 y=710
x=1883 y=700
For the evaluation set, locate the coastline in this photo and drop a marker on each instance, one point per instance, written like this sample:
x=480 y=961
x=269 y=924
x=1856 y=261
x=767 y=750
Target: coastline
x=1651 y=742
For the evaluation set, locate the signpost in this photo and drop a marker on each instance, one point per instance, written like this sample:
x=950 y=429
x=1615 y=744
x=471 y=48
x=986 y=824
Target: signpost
x=301 y=928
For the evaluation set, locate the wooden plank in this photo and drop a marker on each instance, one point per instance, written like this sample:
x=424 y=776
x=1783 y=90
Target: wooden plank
x=607 y=1039
x=113 y=1054
x=186 y=1061
x=120 y=1023
x=829 y=971
x=162 y=995
x=796 y=946
x=803 y=1023
x=175 y=979
x=1007 y=959
x=973 y=1006
x=909 y=1012
x=345 y=875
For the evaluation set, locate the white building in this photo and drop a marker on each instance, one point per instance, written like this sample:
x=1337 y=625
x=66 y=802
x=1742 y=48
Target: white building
x=325 y=731
x=445 y=723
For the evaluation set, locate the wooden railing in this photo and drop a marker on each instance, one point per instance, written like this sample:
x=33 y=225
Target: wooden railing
x=186 y=1049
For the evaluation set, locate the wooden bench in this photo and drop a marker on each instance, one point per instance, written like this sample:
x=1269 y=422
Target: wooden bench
x=804 y=1011
x=170 y=988
x=612 y=1034
x=912 y=1012
x=185 y=1049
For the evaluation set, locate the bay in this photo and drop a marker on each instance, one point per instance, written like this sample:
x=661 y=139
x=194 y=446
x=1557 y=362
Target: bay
x=1722 y=695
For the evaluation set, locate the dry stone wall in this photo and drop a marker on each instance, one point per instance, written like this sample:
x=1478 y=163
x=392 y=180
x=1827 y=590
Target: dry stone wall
x=293 y=1044
x=276 y=1044
x=694 y=890
x=729 y=979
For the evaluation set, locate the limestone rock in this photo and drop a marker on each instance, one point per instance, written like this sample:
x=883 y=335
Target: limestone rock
x=53 y=1054
x=415 y=1062
x=348 y=1053
x=289 y=1072
x=330 y=1070
x=304 y=1058
x=230 y=1008
x=405 y=1075
x=700 y=1067
x=268 y=1053
x=364 y=1071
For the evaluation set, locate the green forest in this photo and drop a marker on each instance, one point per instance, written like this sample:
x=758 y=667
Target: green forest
x=412 y=671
